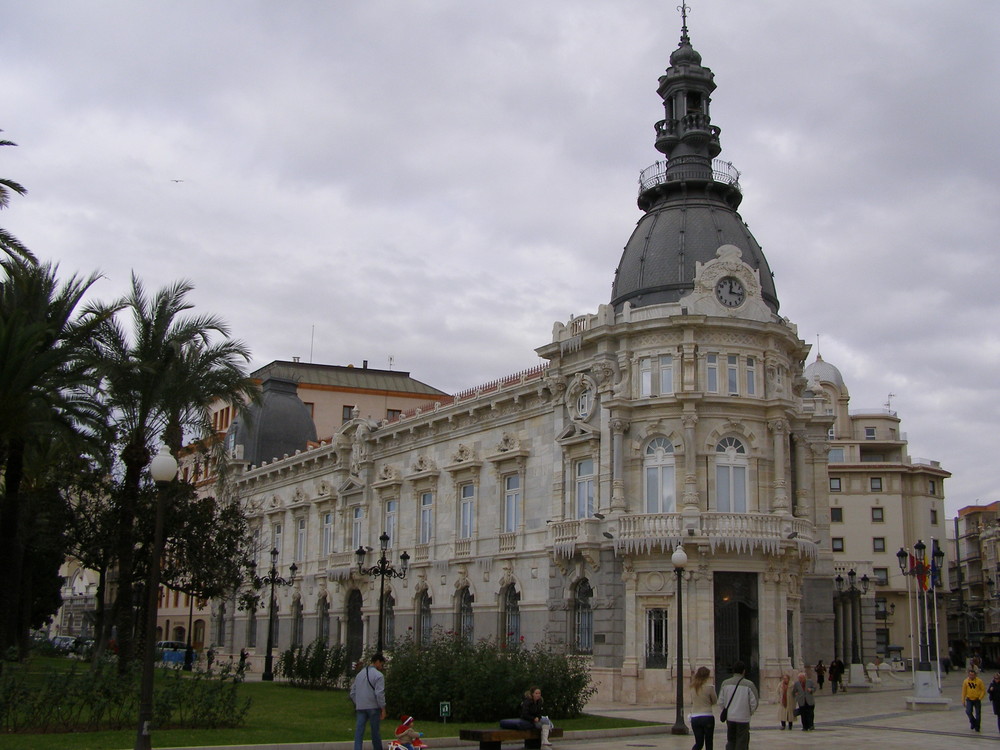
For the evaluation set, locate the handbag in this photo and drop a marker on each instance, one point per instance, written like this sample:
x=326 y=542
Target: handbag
x=725 y=712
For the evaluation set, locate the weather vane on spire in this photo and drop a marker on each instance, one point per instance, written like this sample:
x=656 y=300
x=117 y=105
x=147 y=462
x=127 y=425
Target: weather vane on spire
x=684 y=9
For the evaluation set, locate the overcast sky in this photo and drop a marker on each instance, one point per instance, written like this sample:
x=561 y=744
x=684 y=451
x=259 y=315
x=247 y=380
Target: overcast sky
x=439 y=181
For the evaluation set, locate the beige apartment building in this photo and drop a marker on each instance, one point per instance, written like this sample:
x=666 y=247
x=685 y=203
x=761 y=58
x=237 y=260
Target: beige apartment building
x=974 y=611
x=881 y=500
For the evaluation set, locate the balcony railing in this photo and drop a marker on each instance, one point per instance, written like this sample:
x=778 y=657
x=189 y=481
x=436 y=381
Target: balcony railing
x=638 y=534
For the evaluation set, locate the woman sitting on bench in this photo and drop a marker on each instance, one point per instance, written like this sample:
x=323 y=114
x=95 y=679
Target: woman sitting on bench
x=531 y=713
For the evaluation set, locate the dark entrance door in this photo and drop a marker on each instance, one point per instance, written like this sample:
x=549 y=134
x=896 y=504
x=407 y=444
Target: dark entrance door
x=355 y=627
x=736 y=636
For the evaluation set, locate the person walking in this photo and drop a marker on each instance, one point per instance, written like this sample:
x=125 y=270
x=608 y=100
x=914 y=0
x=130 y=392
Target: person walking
x=738 y=697
x=993 y=691
x=820 y=673
x=368 y=697
x=973 y=692
x=804 y=694
x=786 y=704
x=836 y=673
x=703 y=697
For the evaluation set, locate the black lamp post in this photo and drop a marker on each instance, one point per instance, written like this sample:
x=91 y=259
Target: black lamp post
x=679 y=560
x=382 y=570
x=272 y=579
x=189 y=651
x=853 y=594
x=163 y=469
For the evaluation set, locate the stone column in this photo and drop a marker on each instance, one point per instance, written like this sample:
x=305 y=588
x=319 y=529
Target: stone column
x=779 y=499
x=618 y=429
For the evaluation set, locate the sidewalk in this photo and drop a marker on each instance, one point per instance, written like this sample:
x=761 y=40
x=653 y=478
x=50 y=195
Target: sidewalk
x=877 y=717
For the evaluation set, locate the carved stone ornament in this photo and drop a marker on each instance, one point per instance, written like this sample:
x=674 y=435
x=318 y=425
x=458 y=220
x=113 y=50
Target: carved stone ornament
x=463 y=454
x=508 y=443
x=387 y=473
x=423 y=464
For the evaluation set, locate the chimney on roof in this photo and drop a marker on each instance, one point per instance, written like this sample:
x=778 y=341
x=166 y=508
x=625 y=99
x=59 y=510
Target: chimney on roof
x=295 y=360
x=364 y=364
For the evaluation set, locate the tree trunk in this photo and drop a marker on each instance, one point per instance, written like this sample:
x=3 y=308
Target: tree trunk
x=12 y=549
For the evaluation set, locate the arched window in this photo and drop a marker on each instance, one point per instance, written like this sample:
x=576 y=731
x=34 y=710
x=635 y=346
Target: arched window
x=583 y=618
x=424 y=623
x=389 y=625
x=510 y=615
x=296 y=623
x=730 y=476
x=658 y=466
x=323 y=614
x=466 y=622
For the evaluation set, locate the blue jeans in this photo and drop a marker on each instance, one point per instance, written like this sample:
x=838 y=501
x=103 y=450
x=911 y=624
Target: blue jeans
x=372 y=716
x=703 y=729
x=973 y=709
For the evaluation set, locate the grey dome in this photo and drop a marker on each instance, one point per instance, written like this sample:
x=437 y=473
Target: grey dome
x=685 y=54
x=658 y=264
x=280 y=424
x=821 y=371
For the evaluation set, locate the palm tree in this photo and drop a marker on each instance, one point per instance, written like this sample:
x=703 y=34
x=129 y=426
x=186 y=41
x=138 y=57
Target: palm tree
x=43 y=398
x=8 y=242
x=159 y=376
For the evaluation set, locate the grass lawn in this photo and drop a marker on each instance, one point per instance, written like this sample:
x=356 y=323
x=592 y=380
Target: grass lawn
x=278 y=714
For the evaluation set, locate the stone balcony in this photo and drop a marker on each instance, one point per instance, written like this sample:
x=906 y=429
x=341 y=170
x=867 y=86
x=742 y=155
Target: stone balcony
x=639 y=534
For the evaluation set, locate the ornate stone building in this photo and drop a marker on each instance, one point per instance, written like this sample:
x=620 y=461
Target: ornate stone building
x=546 y=506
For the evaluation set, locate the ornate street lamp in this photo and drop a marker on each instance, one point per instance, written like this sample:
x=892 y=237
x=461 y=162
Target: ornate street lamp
x=382 y=570
x=679 y=560
x=163 y=469
x=853 y=595
x=272 y=579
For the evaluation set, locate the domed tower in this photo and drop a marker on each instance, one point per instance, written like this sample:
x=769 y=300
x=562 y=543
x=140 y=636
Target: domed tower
x=279 y=425
x=689 y=200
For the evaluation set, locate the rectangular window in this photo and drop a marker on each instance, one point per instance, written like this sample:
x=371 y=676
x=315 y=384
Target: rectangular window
x=646 y=376
x=790 y=634
x=393 y=414
x=300 y=540
x=834 y=484
x=426 y=517
x=882 y=641
x=881 y=576
x=585 y=488
x=512 y=503
x=934 y=517
x=656 y=639
x=327 y=534
x=836 y=515
x=869 y=433
x=276 y=538
x=878 y=544
x=931 y=487
x=751 y=376
x=837 y=544
x=878 y=515
x=876 y=484
x=347 y=412
x=731 y=488
x=732 y=374
x=466 y=511
x=835 y=456
x=391 y=511
x=712 y=373
x=666 y=374
x=357 y=516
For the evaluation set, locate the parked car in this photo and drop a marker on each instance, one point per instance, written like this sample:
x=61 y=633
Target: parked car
x=171 y=652
x=64 y=644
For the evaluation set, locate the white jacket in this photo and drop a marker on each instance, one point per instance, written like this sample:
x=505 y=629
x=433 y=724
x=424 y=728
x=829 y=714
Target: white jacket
x=744 y=701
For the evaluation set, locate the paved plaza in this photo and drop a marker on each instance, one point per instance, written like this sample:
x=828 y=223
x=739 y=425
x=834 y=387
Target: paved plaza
x=856 y=720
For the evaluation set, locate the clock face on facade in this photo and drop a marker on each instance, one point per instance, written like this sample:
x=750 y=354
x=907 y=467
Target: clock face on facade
x=730 y=292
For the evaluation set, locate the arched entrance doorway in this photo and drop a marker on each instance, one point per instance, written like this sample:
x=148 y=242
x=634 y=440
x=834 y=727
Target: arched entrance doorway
x=736 y=618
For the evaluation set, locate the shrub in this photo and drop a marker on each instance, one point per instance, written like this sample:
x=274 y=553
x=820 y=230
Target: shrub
x=319 y=667
x=101 y=698
x=483 y=681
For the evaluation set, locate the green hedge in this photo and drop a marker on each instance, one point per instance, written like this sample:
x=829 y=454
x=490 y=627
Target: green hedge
x=319 y=667
x=85 y=699
x=483 y=681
